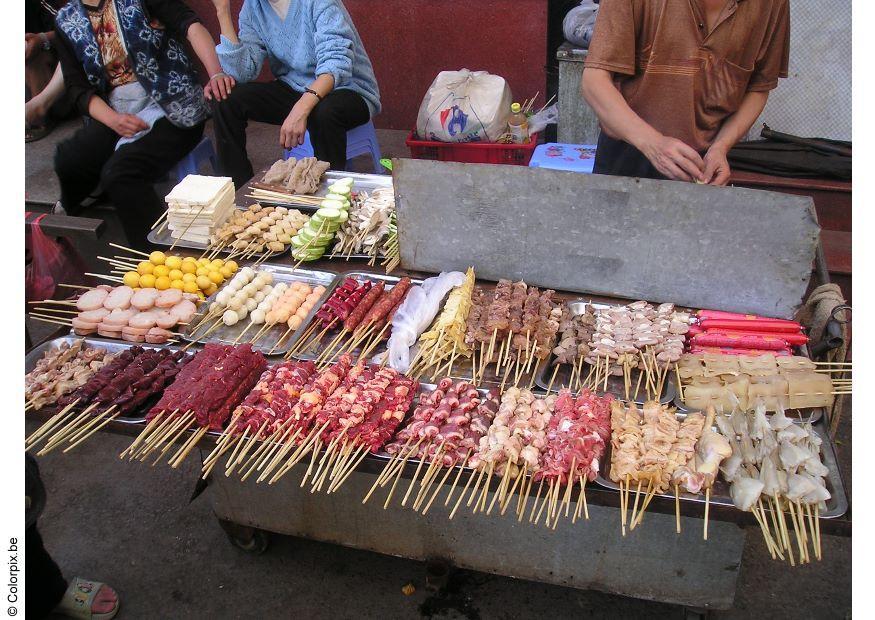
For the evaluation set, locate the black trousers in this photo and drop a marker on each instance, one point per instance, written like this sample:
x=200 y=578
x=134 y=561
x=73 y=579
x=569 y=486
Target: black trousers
x=45 y=585
x=127 y=175
x=271 y=102
x=620 y=158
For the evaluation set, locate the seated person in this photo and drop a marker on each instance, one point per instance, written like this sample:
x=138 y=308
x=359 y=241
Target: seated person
x=42 y=74
x=324 y=79
x=130 y=74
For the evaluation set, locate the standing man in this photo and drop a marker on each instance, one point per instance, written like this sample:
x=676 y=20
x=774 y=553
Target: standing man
x=676 y=83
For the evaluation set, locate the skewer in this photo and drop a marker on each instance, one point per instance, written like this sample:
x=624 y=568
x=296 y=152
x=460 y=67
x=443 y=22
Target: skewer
x=280 y=341
x=524 y=499
x=552 y=379
x=535 y=505
x=95 y=419
x=240 y=337
x=94 y=430
x=153 y=430
x=547 y=499
x=49 y=424
x=356 y=461
x=438 y=489
x=582 y=498
x=132 y=251
x=145 y=432
x=388 y=469
x=677 y=509
x=65 y=430
x=707 y=508
x=53 y=320
x=58 y=302
x=401 y=471
x=165 y=430
x=499 y=491
x=195 y=438
x=520 y=477
x=462 y=466
x=431 y=474
x=171 y=437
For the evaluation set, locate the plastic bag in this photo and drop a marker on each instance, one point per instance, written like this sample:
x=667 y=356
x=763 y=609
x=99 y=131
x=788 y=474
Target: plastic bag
x=52 y=262
x=579 y=23
x=548 y=116
x=464 y=106
x=415 y=315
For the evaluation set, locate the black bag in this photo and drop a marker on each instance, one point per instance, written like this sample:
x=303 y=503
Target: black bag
x=786 y=155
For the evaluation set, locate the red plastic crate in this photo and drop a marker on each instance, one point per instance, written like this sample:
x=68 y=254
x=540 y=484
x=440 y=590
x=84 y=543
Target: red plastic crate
x=472 y=152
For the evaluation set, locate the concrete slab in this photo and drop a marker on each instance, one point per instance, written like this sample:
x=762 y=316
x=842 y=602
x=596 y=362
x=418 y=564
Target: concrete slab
x=705 y=247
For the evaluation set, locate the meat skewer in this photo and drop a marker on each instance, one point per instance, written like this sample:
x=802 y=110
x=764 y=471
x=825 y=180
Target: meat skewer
x=60 y=371
x=202 y=398
x=120 y=387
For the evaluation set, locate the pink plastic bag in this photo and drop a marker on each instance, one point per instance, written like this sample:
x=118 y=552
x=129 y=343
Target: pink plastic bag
x=53 y=261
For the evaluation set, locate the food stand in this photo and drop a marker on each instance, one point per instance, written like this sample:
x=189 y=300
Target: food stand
x=654 y=563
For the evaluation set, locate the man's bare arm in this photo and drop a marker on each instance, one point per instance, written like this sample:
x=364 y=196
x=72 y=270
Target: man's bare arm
x=670 y=156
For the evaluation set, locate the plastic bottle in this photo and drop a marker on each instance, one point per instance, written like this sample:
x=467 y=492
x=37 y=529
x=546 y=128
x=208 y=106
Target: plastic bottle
x=518 y=125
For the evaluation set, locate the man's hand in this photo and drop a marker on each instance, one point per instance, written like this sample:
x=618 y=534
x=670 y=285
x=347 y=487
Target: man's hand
x=674 y=159
x=32 y=43
x=219 y=87
x=126 y=125
x=716 y=166
x=295 y=126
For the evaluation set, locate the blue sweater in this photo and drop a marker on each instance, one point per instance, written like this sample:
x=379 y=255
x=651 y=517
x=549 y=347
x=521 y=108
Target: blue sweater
x=316 y=37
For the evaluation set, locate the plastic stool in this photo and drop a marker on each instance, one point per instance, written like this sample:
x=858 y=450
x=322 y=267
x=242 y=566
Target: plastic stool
x=560 y=156
x=361 y=140
x=191 y=162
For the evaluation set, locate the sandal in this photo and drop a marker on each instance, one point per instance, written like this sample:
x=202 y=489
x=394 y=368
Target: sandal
x=79 y=599
x=32 y=134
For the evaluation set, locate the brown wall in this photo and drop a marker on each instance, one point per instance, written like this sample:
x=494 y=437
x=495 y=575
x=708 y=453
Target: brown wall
x=410 y=41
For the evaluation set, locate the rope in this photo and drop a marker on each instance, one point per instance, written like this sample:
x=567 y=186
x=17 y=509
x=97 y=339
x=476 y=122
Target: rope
x=822 y=305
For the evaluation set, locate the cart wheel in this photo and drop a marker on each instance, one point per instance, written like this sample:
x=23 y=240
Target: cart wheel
x=696 y=613
x=248 y=539
x=256 y=544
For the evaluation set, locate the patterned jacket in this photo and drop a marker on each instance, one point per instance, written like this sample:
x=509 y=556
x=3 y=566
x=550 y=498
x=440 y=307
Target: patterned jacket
x=159 y=60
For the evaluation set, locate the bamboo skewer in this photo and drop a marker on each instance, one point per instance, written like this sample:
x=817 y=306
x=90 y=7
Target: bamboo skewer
x=94 y=430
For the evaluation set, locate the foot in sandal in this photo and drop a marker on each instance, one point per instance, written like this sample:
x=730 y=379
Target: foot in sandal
x=88 y=600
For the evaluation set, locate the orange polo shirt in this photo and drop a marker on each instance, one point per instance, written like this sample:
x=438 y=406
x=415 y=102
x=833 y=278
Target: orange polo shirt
x=680 y=78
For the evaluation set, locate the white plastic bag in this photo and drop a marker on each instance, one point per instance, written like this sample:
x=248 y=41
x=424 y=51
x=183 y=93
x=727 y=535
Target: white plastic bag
x=580 y=22
x=548 y=116
x=464 y=106
x=415 y=315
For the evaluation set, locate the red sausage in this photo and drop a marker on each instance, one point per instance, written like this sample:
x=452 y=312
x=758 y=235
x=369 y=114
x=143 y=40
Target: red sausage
x=387 y=301
x=356 y=316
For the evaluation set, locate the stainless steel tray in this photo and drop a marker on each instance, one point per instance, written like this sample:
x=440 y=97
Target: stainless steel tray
x=811 y=414
x=314 y=352
x=281 y=273
x=112 y=346
x=615 y=384
x=361 y=181
x=835 y=507
x=163 y=238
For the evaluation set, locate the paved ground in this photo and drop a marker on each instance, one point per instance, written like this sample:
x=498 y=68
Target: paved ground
x=134 y=527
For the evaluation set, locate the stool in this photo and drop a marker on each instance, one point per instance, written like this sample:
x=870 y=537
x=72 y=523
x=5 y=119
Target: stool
x=361 y=140
x=559 y=156
x=191 y=162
